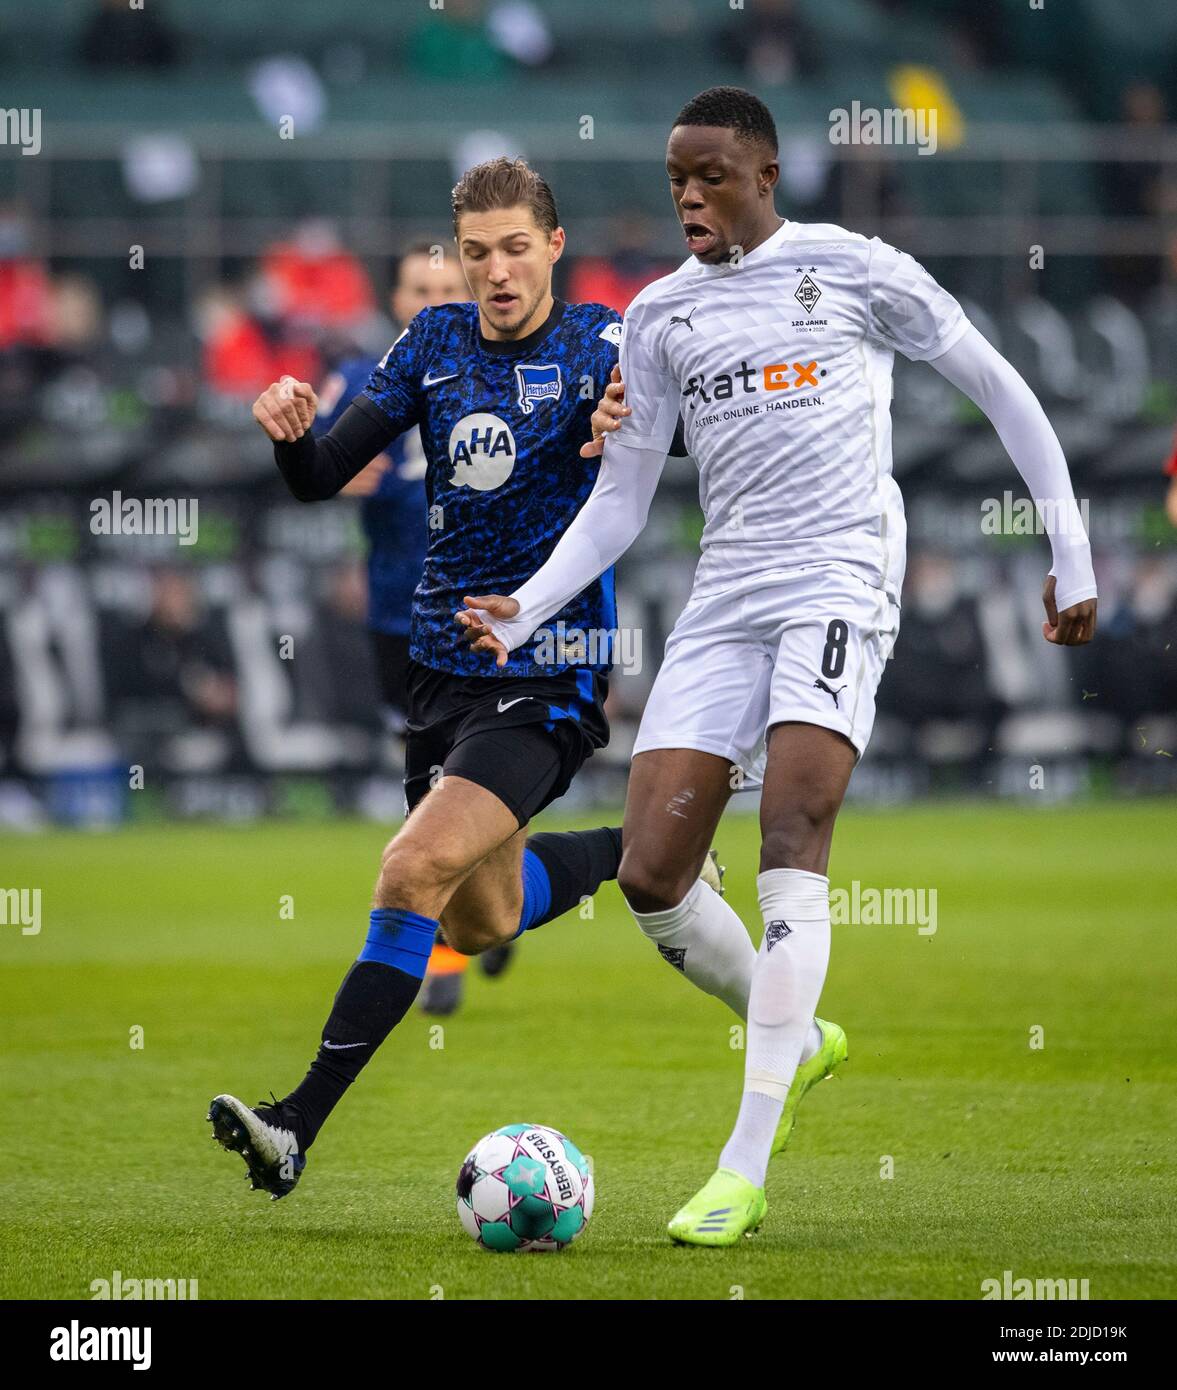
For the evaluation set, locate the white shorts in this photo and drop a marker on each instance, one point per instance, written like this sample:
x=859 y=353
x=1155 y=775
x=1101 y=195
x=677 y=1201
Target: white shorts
x=804 y=645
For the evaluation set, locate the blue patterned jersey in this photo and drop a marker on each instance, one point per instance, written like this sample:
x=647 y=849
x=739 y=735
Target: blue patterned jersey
x=501 y=425
x=394 y=516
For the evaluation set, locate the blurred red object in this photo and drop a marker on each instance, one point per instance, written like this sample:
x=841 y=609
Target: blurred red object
x=596 y=280
x=239 y=360
x=25 y=303
x=327 y=288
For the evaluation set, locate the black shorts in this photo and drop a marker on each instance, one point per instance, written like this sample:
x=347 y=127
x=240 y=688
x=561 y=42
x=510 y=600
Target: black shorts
x=523 y=738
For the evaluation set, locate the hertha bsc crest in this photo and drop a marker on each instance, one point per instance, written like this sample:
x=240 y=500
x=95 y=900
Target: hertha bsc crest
x=537 y=384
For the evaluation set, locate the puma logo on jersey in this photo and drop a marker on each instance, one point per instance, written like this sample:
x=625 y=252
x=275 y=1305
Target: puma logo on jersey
x=819 y=684
x=677 y=318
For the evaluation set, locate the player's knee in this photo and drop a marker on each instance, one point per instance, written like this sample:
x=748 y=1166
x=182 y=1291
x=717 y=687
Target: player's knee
x=412 y=875
x=800 y=837
x=461 y=939
x=472 y=938
x=651 y=887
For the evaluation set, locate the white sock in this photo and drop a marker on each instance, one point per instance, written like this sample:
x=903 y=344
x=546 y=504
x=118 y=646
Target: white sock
x=722 y=957
x=705 y=939
x=786 y=985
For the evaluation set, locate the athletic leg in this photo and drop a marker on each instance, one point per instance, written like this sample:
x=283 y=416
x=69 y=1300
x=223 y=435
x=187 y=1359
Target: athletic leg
x=675 y=799
x=808 y=771
x=455 y=827
x=530 y=880
x=700 y=732
x=834 y=638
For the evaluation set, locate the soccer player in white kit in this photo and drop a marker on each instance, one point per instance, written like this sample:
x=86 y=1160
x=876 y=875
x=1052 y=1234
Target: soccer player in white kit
x=775 y=340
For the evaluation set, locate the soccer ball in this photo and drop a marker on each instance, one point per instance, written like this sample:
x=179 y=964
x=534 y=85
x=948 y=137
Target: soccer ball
x=525 y=1187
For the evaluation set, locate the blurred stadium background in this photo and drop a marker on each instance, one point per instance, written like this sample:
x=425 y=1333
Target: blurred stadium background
x=260 y=255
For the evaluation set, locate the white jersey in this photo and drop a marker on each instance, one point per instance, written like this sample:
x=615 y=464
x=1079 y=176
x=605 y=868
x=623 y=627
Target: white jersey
x=781 y=368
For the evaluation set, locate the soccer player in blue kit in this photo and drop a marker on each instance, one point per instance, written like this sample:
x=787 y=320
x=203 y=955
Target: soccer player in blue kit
x=391 y=493
x=502 y=390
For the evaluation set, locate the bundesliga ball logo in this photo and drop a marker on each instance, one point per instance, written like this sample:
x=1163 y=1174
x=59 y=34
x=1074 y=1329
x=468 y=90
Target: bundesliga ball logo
x=482 y=451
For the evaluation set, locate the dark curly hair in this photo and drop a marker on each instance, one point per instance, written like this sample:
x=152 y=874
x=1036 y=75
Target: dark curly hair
x=734 y=108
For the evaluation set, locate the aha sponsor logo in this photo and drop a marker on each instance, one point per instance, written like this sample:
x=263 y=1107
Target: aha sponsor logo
x=482 y=451
x=776 y=376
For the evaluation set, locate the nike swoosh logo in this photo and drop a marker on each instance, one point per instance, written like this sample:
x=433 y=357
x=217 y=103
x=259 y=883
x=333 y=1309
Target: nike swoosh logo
x=509 y=703
x=340 y=1047
x=433 y=380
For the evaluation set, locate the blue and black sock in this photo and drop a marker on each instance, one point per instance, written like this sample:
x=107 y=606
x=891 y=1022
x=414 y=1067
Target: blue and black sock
x=375 y=995
x=561 y=869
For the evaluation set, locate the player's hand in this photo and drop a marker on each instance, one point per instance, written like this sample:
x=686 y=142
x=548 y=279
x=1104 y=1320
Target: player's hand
x=367 y=480
x=607 y=417
x=1073 y=626
x=285 y=409
x=478 y=635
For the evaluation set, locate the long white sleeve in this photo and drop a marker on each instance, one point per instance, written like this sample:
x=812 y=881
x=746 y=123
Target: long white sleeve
x=975 y=367
x=601 y=532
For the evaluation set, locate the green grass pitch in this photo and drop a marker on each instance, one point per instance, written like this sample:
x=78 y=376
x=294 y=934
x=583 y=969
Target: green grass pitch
x=1051 y=1162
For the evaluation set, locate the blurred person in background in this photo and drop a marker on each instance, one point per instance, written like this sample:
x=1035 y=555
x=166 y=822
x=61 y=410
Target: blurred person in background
x=25 y=317
x=119 y=35
x=24 y=283
x=772 y=43
x=341 y=670
x=244 y=346
x=1137 y=188
x=468 y=39
x=943 y=674
x=72 y=371
x=313 y=281
x=632 y=264
x=1139 y=639
x=304 y=291
x=393 y=514
x=1171 y=474
x=48 y=324
x=173 y=672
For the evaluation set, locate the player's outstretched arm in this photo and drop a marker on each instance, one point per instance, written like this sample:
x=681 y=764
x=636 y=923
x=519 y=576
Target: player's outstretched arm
x=601 y=532
x=975 y=367
x=317 y=468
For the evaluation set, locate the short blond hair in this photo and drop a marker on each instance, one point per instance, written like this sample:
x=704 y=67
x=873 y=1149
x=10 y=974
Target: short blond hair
x=505 y=183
